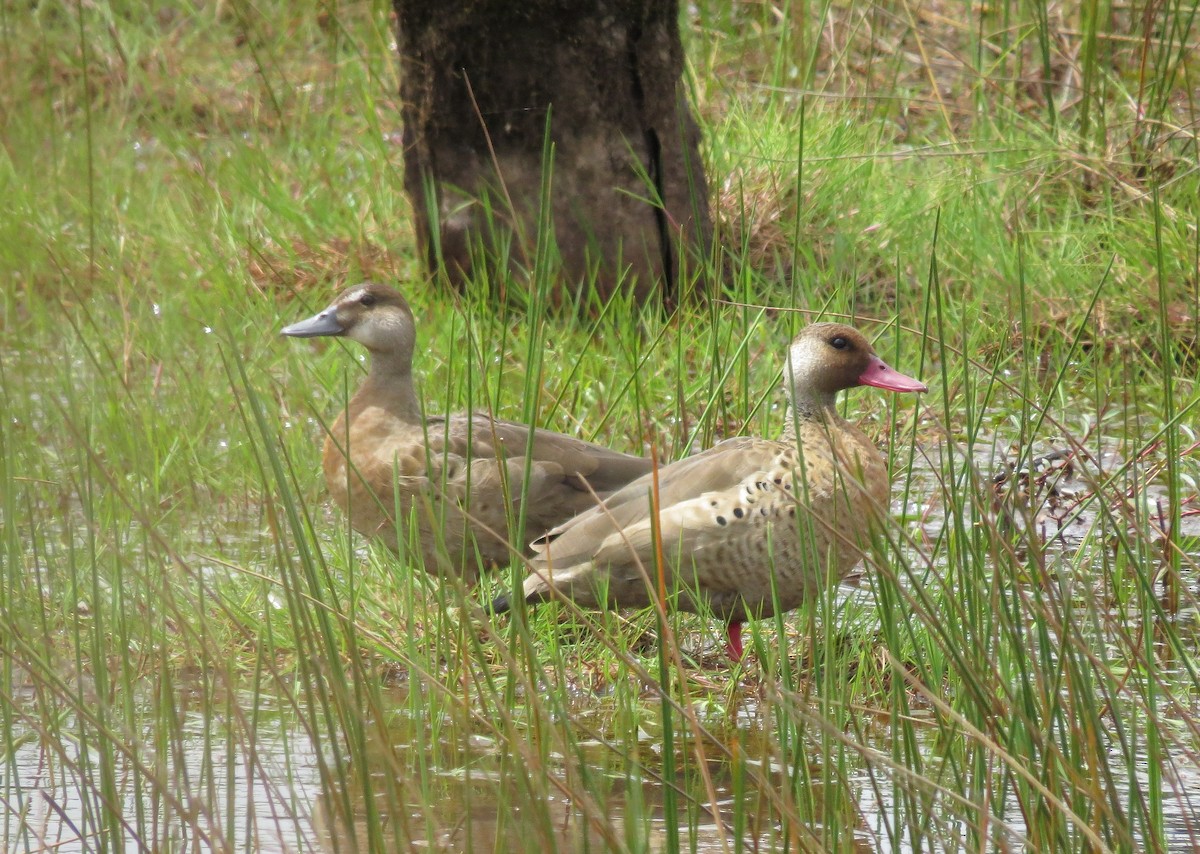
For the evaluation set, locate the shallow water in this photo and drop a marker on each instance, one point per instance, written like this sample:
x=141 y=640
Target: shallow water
x=267 y=785
x=278 y=803
x=49 y=800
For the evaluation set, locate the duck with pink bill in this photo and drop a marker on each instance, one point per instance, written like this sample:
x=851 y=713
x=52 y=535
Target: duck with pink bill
x=748 y=526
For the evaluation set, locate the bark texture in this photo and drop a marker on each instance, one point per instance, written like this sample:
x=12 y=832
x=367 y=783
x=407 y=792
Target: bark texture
x=493 y=91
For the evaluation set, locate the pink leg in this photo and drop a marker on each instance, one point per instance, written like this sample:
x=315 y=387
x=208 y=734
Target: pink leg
x=734 y=647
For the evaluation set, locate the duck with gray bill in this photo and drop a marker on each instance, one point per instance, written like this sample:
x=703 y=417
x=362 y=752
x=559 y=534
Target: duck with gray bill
x=460 y=480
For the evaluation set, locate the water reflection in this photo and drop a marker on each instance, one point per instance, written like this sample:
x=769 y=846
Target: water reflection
x=266 y=779
x=205 y=792
x=469 y=795
x=217 y=789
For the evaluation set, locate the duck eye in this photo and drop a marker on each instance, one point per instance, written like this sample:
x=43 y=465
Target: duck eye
x=367 y=299
x=840 y=343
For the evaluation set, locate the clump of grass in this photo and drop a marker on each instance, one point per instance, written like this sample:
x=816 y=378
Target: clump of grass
x=195 y=652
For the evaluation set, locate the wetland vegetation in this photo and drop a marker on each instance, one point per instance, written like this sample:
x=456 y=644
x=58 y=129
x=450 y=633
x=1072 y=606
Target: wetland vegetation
x=197 y=654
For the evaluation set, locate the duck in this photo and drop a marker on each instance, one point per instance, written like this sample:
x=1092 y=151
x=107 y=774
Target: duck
x=748 y=526
x=459 y=481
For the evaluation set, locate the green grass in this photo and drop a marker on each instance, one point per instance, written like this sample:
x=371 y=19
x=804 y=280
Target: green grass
x=195 y=652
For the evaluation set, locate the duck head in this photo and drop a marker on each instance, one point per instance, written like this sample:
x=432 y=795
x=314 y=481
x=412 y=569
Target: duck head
x=826 y=358
x=374 y=315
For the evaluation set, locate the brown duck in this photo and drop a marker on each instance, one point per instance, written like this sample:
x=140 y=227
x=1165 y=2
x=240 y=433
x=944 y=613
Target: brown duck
x=458 y=480
x=744 y=517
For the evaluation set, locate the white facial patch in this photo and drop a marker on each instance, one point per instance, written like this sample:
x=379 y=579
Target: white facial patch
x=800 y=361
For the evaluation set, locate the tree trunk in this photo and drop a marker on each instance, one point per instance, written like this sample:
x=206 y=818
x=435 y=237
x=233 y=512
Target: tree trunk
x=486 y=84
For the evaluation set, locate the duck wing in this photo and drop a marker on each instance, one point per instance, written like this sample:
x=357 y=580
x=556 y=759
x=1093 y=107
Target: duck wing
x=706 y=502
x=583 y=466
x=494 y=468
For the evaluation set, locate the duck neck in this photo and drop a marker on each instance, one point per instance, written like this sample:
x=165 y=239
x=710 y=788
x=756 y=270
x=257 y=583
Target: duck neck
x=810 y=409
x=389 y=386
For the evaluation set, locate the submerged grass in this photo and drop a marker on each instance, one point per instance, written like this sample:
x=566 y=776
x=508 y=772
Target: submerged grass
x=196 y=653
